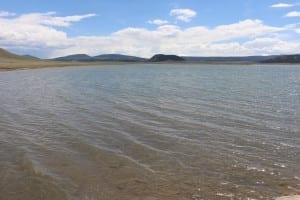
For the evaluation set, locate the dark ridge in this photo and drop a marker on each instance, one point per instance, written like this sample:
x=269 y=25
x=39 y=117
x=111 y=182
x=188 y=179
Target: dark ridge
x=31 y=57
x=164 y=58
x=76 y=57
x=284 y=59
x=231 y=59
x=118 y=57
x=104 y=57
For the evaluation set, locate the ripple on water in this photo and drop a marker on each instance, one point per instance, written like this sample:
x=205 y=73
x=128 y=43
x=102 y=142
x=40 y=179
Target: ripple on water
x=159 y=132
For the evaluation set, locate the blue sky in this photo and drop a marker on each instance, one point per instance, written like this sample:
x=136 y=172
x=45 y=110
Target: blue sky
x=51 y=28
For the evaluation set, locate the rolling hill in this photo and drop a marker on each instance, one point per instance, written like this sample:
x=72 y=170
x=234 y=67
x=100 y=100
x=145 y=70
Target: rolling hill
x=103 y=57
x=76 y=57
x=10 y=56
x=11 y=61
x=119 y=57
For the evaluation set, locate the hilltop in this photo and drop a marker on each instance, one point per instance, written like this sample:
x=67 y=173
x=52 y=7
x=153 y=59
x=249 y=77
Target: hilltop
x=76 y=57
x=164 y=58
x=10 y=56
x=10 y=61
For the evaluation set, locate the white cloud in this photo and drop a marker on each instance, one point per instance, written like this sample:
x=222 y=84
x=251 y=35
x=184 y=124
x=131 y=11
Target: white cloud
x=36 y=32
x=293 y=14
x=6 y=14
x=50 y=19
x=184 y=15
x=41 y=33
x=282 y=5
x=158 y=22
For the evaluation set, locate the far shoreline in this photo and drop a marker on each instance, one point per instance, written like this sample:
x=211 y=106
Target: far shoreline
x=52 y=64
x=28 y=65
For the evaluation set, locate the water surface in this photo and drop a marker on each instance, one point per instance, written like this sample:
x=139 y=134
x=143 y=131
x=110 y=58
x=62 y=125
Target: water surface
x=150 y=132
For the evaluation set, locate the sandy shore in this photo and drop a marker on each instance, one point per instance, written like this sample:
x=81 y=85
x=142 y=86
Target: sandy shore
x=296 y=197
x=21 y=64
x=8 y=65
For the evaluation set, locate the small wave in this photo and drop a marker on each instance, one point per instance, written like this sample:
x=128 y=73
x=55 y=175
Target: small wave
x=24 y=174
x=286 y=145
x=256 y=169
x=225 y=194
x=280 y=165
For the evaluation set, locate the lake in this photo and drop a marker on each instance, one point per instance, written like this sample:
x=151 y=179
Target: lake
x=150 y=132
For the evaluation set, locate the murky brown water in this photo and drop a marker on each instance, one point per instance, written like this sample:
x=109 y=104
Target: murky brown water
x=150 y=132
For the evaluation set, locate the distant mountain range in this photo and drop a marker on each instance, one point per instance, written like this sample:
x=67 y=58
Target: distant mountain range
x=5 y=55
x=175 y=58
x=284 y=59
x=248 y=59
x=118 y=58
x=104 y=57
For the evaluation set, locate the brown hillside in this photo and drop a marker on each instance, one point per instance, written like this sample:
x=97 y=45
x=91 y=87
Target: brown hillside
x=10 y=61
x=7 y=55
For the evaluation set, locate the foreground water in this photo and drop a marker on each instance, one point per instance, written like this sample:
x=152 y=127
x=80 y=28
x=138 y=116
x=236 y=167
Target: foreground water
x=150 y=132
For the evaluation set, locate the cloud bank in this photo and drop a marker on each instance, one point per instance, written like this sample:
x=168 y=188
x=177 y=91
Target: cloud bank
x=43 y=34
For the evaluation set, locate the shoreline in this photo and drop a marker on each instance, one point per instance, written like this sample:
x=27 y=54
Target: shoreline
x=20 y=65
x=24 y=65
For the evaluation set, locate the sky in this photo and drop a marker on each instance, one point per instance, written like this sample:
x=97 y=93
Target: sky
x=53 y=28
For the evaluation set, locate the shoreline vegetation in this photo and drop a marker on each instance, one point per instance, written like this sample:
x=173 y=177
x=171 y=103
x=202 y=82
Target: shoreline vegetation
x=10 y=61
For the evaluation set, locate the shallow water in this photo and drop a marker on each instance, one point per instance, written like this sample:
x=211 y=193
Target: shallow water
x=150 y=132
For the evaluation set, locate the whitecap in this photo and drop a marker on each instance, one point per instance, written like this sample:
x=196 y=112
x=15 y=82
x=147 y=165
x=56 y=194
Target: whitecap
x=225 y=194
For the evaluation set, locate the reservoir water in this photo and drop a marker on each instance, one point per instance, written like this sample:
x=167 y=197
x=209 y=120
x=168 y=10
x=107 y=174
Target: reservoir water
x=150 y=132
